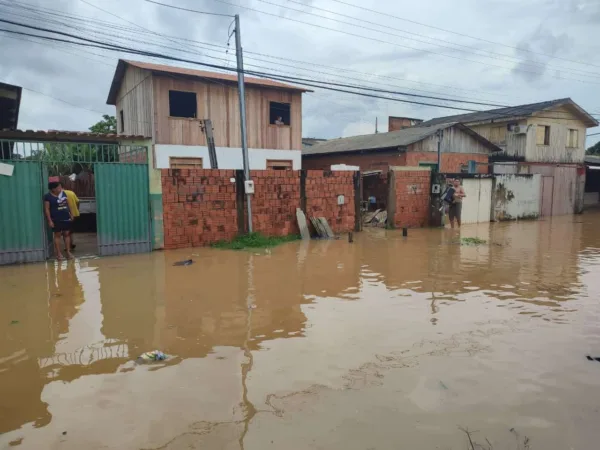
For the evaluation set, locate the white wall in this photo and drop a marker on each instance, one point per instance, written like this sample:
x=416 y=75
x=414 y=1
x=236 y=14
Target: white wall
x=227 y=157
x=517 y=197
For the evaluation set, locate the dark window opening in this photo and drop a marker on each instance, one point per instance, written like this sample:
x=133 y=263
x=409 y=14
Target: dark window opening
x=279 y=113
x=122 y=117
x=279 y=164
x=182 y=104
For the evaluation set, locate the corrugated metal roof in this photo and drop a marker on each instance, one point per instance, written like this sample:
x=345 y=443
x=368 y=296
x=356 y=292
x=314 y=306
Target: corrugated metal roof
x=202 y=74
x=59 y=135
x=512 y=112
x=393 y=139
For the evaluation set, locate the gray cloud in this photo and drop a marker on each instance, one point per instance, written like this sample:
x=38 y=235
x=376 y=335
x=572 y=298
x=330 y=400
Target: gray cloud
x=82 y=78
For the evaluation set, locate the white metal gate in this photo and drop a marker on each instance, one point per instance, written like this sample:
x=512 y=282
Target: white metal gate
x=477 y=205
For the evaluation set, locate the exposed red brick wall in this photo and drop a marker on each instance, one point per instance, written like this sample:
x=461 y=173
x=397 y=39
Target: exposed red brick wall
x=451 y=162
x=276 y=197
x=322 y=190
x=398 y=123
x=366 y=161
x=412 y=198
x=199 y=207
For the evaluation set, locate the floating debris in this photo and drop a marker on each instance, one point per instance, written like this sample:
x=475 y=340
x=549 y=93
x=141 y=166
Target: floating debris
x=155 y=355
x=187 y=262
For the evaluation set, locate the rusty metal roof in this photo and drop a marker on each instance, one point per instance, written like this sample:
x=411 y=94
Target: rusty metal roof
x=61 y=135
x=166 y=70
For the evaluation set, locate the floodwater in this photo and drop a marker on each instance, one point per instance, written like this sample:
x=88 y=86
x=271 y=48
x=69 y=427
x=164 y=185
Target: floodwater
x=386 y=343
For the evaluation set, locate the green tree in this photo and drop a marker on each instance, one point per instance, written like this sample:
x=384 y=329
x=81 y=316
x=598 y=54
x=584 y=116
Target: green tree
x=106 y=126
x=594 y=149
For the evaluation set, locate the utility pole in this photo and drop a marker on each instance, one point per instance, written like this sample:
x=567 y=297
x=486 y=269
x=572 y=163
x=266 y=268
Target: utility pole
x=242 y=96
x=376 y=130
x=440 y=134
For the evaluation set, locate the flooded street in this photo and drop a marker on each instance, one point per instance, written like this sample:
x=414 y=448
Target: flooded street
x=386 y=343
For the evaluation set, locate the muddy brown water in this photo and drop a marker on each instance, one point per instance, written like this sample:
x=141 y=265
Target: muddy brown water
x=386 y=343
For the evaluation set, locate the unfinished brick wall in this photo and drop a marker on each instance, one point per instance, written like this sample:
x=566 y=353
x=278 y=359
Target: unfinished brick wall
x=411 y=190
x=276 y=197
x=451 y=162
x=322 y=191
x=366 y=161
x=199 y=207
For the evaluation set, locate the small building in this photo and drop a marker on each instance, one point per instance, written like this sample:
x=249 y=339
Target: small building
x=546 y=138
x=399 y=123
x=591 y=196
x=169 y=103
x=412 y=146
x=10 y=102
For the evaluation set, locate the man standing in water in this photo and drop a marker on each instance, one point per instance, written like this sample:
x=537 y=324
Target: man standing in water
x=455 y=209
x=59 y=217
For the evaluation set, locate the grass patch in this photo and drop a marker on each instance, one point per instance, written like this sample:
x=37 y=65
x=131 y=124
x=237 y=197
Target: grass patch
x=255 y=240
x=472 y=241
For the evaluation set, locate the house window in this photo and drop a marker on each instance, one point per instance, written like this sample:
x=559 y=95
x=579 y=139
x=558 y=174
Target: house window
x=498 y=135
x=279 y=113
x=543 y=135
x=432 y=165
x=182 y=104
x=122 y=118
x=185 y=163
x=573 y=138
x=276 y=164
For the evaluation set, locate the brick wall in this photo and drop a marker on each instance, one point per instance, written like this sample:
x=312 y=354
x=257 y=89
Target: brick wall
x=411 y=188
x=276 y=197
x=366 y=161
x=451 y=162
x=199 y=207
x=322 y=191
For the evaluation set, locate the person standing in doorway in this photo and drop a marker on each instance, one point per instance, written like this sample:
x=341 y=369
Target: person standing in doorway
x=455 y=209
x=59 y=217
x=73 y=201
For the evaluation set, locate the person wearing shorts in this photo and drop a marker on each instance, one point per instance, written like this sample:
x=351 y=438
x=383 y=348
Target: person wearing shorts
x=455 y=209
x=59 y=217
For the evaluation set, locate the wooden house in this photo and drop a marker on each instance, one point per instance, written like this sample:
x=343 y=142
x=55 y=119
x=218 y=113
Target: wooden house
x=546 y=138
x=169 y=103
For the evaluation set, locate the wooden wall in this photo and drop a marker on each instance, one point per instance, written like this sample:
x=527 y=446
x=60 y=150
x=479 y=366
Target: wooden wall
x=513 y=144
x=219 y=102
x=454 y=141
x=560 y=120
x=135 y=100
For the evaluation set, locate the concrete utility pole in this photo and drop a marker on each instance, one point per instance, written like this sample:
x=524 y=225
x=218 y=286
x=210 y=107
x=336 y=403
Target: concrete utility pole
x=242 y=96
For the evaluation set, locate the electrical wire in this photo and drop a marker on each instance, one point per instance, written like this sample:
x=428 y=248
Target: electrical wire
x=388 y=15
x=189 y=10
x=388 y=42
x=470 y=49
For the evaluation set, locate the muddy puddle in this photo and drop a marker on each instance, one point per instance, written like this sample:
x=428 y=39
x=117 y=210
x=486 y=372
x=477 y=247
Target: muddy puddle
x=387 y=343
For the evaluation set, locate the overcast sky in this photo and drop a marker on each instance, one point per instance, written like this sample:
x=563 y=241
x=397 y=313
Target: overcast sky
x=442 y=64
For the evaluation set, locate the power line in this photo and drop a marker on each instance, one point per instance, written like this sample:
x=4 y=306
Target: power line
x=189 y=10
x=312 y=83
x=593 y=134
x=470 y=49
x=383 y=41
x=63 y=101
x=388 y=15
x=174 y=38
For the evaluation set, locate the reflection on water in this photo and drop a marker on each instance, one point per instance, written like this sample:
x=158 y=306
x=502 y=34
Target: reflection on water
x=311 y=345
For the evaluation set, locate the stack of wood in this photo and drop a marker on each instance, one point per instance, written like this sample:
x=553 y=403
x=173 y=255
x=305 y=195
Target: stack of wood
x=377 y=218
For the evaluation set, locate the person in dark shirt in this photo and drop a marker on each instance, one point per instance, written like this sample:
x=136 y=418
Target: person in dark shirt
x=59 y=217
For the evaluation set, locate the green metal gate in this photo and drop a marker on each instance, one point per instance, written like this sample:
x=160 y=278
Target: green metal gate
x=122 y=208
x=22 y=230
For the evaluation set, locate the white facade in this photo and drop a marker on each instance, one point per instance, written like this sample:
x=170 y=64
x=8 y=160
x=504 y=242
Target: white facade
x=517 y=197
x=227 y=157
